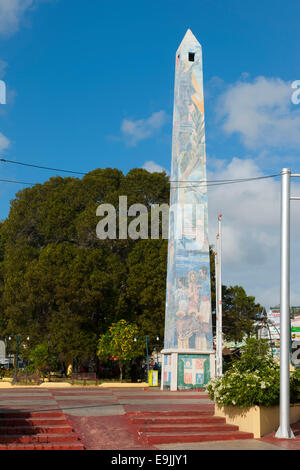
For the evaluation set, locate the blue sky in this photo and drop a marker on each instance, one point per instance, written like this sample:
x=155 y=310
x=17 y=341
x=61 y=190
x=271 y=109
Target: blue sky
x=90 y=84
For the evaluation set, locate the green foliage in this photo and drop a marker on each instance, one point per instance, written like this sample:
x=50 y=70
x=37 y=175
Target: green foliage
x=254 y=379
x=30 y=369
x=240 y=312
x=251 y=380
x=40 y=358
x=255 y=354
x=58 y=280
x=122 y=342
x=212 y=278
x=146 y=286
x=295 y=386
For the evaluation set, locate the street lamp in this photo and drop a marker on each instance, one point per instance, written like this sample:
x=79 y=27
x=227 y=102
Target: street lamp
x=15 y=377
x=147 y=340
x=8 y=342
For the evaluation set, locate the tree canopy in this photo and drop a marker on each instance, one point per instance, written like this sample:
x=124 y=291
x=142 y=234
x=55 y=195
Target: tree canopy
x=121 y=342
x=59 y=283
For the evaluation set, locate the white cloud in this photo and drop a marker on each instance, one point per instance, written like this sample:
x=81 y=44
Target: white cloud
x=251 y=231
x=11 y=15
x=153 y=167
x=4 y=142
x=12 y=12
x=261 y=112
x=136 y=130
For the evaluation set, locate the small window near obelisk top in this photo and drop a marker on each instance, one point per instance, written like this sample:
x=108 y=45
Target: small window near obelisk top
x=191 y=56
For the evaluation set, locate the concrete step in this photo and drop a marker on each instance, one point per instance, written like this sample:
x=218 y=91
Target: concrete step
x=37 y=438
x=168 y=438
x=187 y=428
x=37 y=430
x=28 y=430
x=46 y=446
x=150 y=397
x=140 y=420
x=32 y=421
x=204 y=412
x=31 y=414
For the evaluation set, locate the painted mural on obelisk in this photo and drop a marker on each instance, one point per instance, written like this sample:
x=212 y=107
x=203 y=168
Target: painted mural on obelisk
x=188 y=323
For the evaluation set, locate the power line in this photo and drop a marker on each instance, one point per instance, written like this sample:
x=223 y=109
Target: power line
x=17 y=182
x=191 y=183
x=222 y=182
x=41 y=167
x=194 y=185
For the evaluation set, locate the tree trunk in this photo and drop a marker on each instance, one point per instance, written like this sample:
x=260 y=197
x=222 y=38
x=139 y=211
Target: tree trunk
x=121 y=371
x=97 y=366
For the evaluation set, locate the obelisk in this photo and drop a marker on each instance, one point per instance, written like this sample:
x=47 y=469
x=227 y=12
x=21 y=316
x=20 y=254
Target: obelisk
x=188 y=360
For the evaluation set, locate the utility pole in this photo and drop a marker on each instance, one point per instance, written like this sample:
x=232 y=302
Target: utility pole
x=147 y=339
x=220 y=295
x=218 y=269
x=284 y=431
x=217 y=304
x=147 y=356
x=15 y=378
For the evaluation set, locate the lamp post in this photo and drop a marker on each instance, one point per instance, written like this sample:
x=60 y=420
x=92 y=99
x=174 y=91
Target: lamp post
x=284 y=431
x=147 y=340
x=147 y=356
x=218 y=276
x=15 y=377
x=8 y=341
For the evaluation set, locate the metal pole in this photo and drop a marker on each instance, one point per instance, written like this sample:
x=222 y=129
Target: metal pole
x=217 y=303
x=284 y=431
x=220 y=296
x=147 y=354
x=217 y=309
x=15 y=379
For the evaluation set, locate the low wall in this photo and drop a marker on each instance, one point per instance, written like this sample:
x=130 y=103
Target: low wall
x=124 y=385
x=260 y=420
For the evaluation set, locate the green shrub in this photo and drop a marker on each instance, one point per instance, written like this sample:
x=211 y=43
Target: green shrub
x=246 y=388
x=254 y=379
x=295 y=386
x=30 y=369
x=41 y=360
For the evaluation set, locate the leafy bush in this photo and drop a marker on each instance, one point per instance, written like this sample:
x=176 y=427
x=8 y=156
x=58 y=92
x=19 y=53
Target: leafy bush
x=246 y=388
x=42 y=361
x=8 y=373
x=30 y=369
x=121 y=342
x=295 y=386
x=254 y=379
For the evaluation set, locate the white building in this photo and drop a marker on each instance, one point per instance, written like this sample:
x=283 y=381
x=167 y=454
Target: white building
x=270 y=328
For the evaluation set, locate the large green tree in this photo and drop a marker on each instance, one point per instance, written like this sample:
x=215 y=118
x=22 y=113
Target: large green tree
x=146 y=287
x=59 y=283
x=240 y=313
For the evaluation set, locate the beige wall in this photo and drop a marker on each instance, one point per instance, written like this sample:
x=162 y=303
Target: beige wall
x=258 y=420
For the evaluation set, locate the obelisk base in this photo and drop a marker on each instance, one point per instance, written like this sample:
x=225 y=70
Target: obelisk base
x=186 y=369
